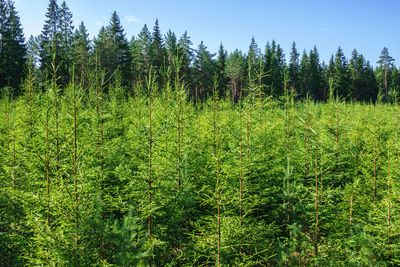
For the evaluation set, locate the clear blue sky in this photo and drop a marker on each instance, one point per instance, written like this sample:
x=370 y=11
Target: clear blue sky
x=365 y=25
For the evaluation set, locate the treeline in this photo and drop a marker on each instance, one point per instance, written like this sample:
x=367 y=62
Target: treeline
x=60 y=48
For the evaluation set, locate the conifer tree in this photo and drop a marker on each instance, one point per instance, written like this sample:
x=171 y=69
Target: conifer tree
x=294 y=68
x=81 y=53
x=386 y=62
x=315 y=81
x=139 y=50
x=221 y=66
x=121 y=53
x=66 y=42
x=252 y=57
x=235 y=71
x=112 y=50
x=186 y=52
x=304 y=75
x=341 y=75
x=171 y=46
x=203 y=68
x=12 y=47
x=56 y=41
x=157 y=53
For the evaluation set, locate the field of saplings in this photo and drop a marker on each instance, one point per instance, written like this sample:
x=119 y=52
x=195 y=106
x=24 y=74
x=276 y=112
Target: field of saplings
x=92 y=176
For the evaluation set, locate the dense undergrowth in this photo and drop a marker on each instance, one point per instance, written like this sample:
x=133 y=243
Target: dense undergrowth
x=95 y=178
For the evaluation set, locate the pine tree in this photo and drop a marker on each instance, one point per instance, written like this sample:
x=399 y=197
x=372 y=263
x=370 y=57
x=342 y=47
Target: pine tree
x=386 y=62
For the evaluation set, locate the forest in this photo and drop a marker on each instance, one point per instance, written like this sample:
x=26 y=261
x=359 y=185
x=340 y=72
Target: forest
x=151 y=153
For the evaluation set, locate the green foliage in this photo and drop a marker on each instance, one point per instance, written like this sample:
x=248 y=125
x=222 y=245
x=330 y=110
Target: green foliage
x=257 y=162
x=12 y=47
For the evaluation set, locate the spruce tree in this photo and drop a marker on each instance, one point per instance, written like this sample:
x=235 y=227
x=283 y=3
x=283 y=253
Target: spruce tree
x=315 y=81
x=139 y=49
x=304 y=75
x=66 y=42
x=235 y=71
x=81 y=52
x=341 y=76
x=12 y=47
x=157 y=53
x=122 y=57
x=50 y=53
x=204 y=69
x=221 y=66
x=252 y=57
x=171 y=46
x=186 y=52
x=294 y=68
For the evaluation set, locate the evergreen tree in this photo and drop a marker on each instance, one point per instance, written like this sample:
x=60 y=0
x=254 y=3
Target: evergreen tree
x=56 y=49
x=81 y=52
x=363 y=84
x=32 y=50
x=253 y=58
x=139 y=49
x=221 y=66
x=171 y=46
x=121 y=46
x=294 y=68
x=12 y=47
x=236 y=71
x=49 y=52
x=274 y=65
x=112 y=50
x=186 y=52
x=341 y=77
x=66 y=42
x=386 y=63
x=157 y=53
x=304 y=75
x=315 y=80
x=204 y=69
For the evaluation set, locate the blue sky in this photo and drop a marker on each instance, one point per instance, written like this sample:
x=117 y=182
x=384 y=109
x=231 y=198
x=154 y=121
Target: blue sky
x=365 y=25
